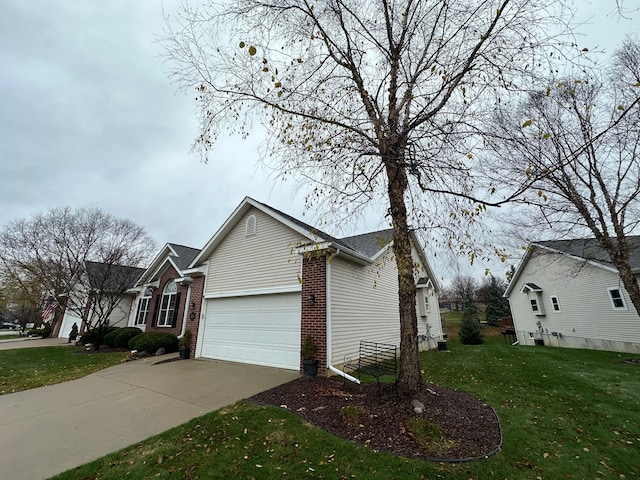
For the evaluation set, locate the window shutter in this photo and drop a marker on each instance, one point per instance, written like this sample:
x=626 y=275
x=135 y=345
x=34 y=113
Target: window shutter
x=154 y=319
x=175 y=312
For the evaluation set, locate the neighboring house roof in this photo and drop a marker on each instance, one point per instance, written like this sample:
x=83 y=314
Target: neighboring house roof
x=589 y=249
x=581 y=249
x=179 y=256
x=111 y=278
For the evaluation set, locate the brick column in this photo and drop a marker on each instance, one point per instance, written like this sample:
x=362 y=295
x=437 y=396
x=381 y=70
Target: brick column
x=197 y=290
x=314 y=315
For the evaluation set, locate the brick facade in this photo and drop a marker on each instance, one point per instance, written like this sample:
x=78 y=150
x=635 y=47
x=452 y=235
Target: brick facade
x=314 y=316
x=156 y=302
x=197 y=292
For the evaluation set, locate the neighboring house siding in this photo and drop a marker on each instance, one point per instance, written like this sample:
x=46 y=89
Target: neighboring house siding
x=586 y=318
x=120 y=314
x=263 y=260
x=429 y=320
x=364 y=305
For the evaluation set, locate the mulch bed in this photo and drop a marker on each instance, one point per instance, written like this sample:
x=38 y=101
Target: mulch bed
x=471 y=428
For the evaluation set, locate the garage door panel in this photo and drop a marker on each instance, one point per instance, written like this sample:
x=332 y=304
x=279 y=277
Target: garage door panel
x=261 y=329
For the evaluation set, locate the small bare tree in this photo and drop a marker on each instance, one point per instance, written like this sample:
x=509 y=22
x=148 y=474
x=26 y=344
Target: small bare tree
x=578 y=142
x=53 y=250
x=369 y=100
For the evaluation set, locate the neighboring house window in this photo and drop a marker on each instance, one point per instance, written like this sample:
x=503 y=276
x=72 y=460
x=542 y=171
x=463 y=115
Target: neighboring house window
x=617 y=300
x=534 y=294
x=250 y=226
x=555 y=303
x=168 y=305
x=534 y=305
x=143 y=307
x=426 y=303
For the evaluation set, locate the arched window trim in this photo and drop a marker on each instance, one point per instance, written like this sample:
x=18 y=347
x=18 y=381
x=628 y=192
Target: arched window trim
x=168 y=304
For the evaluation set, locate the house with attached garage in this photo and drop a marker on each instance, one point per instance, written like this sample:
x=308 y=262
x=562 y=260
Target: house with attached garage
x=165 y=300
x=567 y=293
x=269 y=280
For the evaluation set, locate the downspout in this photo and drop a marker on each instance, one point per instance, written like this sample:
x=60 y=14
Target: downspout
x=328 y=313
x=186 y=311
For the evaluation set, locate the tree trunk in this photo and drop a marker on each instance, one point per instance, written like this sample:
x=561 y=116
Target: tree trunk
x=409 y=379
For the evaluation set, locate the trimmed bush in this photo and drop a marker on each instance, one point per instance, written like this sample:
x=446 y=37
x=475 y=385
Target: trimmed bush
x=110 y=338
x=46 y=331
x=150 y=342
x=89 y=336
x=123 y=336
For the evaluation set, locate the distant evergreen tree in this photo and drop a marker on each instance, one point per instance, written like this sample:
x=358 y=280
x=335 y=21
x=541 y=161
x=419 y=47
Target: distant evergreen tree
x=497 y=305
x=469 y=333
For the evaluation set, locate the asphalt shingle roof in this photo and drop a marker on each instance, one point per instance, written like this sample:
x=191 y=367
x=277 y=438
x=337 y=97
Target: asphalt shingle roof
x=111 y=278
x=185 y=255
x=589 y=249
x=369 y=243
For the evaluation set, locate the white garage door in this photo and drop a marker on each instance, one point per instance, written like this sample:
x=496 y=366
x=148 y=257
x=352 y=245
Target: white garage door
x=260 y=329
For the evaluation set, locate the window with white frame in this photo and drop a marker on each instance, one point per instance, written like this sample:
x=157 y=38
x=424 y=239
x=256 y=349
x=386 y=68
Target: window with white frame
x=535 y=308
x=426 y=303
x=555 y=304
x=168 y=305
x=250 y=226
x=143 y=307
x=617 y=299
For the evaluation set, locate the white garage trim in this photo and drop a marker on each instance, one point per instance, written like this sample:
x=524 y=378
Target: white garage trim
x=261 y=291
x=255 y=329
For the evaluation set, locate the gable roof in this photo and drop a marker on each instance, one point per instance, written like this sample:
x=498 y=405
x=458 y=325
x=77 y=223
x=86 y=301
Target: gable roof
x=589 y=249
x=363 y=248
x=111 y=278
x=179 y=256
x=183 y=255
x=580 y=249
x=312 y=234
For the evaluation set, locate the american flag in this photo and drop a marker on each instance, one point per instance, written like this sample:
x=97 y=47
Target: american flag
x=52 y=304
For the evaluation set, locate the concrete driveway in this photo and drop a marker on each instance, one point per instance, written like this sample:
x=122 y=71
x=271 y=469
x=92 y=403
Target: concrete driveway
x=48 y=430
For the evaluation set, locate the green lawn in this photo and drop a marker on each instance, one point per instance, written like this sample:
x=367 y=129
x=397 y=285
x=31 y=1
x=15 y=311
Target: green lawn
x=566 y=414
x=25 y=368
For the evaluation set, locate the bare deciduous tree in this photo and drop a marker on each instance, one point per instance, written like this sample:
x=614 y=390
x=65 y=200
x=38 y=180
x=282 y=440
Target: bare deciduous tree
x=369 y=100
x=578 y=142
x=49 y=253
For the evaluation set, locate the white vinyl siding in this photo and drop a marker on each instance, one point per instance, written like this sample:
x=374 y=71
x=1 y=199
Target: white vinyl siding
x=261 y=261
x=587 y=319
x=617 y=299
x=364 y=305
x=555 y=304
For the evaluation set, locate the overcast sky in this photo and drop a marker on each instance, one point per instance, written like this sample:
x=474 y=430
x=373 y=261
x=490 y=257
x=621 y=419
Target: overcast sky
x=89 y=118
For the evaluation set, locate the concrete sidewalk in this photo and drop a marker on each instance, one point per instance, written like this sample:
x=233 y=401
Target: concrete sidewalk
x=48 y=430
x=30 y=342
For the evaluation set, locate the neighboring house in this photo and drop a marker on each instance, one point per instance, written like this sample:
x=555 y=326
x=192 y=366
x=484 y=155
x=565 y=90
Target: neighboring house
x=103 y=292
x=266 y=280
x=164 y=299
x=567 y=293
